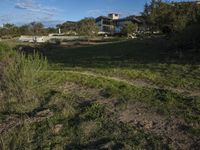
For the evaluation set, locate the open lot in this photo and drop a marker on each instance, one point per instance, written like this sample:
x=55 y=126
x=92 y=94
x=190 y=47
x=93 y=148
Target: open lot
x=136 y=94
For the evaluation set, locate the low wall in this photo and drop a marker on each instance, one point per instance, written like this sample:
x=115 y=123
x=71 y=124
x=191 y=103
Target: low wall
x=43 y=39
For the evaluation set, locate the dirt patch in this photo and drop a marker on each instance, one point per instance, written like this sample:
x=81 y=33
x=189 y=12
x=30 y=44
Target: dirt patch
x=80 y=90
x=174 y=130
x=16 y=120
x=57 y=128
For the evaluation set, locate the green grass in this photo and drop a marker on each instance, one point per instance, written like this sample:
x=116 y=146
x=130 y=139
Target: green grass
x=144 y=71
x=24 y=81
x=149 y=60
x=90 y=128
x=164 y=101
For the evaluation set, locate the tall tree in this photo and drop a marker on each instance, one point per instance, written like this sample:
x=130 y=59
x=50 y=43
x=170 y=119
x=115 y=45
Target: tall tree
x=171 y=17
x=87 y=27
x=129 y=27
x=35 y=27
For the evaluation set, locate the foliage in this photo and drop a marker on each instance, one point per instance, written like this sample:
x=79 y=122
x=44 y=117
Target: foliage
x=94 y=112
x=34 y=28
x=130 y=72
x=87 y=27
x=9 y=30
x=129 y=27
x=24 y=81
x=170 y=17
x=68 y=26
x=180 y=20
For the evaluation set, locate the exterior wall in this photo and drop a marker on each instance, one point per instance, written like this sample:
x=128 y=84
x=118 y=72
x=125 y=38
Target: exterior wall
x=114 y=16
x=119 y=25
x=99 y=25
x=112 y=24
x=43 y=39
x=105 y=26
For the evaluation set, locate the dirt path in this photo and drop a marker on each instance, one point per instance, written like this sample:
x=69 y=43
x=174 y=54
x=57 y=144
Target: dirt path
x=139 y=83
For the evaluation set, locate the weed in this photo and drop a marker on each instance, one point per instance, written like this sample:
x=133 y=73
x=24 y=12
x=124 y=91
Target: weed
x=24 y=81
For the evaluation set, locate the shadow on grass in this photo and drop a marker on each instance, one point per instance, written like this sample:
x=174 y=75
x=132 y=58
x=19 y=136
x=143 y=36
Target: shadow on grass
x=109 y=55
x=122 y=54
x=101 y=144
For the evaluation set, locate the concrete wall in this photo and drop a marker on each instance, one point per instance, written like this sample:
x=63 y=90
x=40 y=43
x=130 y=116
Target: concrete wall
x=114 y=16
x=43 y=39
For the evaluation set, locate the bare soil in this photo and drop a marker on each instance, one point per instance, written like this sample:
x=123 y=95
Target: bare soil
x=173 y=129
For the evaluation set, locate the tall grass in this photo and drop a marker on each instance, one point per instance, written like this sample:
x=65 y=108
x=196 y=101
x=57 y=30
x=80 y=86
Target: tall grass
x=24 y=80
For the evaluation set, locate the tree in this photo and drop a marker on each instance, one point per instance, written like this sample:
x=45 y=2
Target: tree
x=170 y=17
x=129 y=27
x=8 y=25
x=87 y=27
x=35 y=27
x=24 y=30
x=68 y=26
x=9 y=31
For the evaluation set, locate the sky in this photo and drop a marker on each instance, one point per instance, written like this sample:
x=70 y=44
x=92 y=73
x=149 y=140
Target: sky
x=52 y=12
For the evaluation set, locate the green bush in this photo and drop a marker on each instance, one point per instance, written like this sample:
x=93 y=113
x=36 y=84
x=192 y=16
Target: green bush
x=24 y=81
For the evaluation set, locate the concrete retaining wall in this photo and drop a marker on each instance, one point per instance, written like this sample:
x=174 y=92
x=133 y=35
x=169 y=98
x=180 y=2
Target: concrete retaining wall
x=43 y=39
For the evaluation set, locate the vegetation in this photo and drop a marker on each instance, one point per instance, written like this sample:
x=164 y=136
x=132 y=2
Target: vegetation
x=129 y=28
x=171 y=17
x=135 y=94
x=180 y=21
x=88 y=27
x=24 y=81
x=97 y=86
x=85 y=27
x=34 y=28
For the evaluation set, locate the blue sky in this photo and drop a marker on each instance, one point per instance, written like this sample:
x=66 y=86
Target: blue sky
x=51 y=12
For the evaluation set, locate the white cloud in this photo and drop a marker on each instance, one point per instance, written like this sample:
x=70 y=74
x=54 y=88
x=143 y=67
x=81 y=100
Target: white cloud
x=32 y=6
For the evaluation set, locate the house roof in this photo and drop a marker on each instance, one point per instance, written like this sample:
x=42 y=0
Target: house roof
x=133 y=18
x=129 y=18
x=103 y=17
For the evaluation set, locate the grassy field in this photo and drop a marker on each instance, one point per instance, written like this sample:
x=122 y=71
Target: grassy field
x=136 y=94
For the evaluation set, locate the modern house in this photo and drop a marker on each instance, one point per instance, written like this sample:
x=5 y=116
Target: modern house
x=113 y=24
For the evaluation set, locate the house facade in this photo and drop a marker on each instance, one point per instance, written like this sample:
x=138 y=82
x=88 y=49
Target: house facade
x=112 y=24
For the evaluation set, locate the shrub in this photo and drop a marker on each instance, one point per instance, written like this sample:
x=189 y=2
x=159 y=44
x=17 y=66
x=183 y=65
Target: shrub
x=129 y=28
x=24 y=81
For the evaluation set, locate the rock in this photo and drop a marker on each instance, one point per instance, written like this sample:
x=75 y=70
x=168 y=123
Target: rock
x=44 y=113
x=108 y=145
x=57 y=128
x=148 y=124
